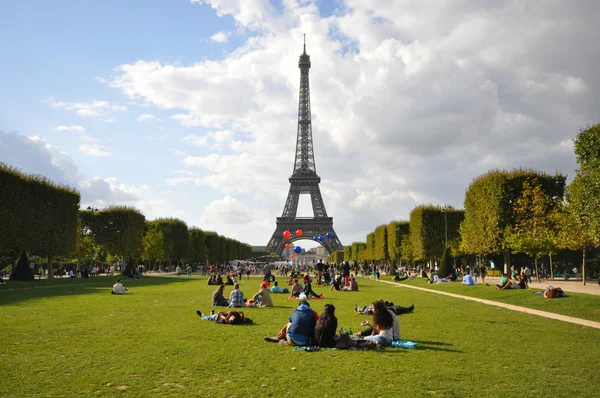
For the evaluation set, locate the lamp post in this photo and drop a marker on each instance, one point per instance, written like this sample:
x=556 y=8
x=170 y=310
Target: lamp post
x=446 y=207
x=92 y=209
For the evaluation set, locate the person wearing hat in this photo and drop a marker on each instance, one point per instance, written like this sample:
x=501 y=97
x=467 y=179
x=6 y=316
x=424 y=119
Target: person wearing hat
x=300 y=328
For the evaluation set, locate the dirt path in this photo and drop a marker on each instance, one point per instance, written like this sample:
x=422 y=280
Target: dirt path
x=564 y=318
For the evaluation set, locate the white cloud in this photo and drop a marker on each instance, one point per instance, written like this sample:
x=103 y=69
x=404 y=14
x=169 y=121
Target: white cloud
x=100 y=110
x=147 y=117
x=79 y=129
x=409 y=101
x=94 y=150
x=220 y=37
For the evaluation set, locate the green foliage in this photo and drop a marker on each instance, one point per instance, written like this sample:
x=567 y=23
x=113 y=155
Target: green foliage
x=428 y=226
x=395 y=230
x=489 y=206
x=196 y=245
x=369 y=251
x=348 y=253
x=175 y=238
x=587 y=146
x=380 y=244
x=358 y=249
x=445 y=267
x=22 y=272
x=212 y=246
x=154 y=245
x=336 y=257
x=533 y=231
x=120 y=229
x=37 y=215
x=406 y=252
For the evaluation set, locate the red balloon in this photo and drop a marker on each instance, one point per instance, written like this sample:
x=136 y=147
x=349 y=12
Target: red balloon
x=299 y=232
x=287 y=245
x=287 y=234
x=292 y=256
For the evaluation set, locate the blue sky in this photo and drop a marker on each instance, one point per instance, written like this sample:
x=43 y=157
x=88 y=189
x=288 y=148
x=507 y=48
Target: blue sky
x=188 y=108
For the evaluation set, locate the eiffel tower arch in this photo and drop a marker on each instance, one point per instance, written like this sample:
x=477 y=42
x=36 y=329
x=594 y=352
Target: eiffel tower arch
x=304 y=181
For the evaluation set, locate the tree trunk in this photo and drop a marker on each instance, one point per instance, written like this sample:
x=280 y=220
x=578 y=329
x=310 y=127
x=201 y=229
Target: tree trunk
x=50 y=271
x=78 y=264
x=551 y=268
x=507 y=262
x=537 y=272
x=583 y=267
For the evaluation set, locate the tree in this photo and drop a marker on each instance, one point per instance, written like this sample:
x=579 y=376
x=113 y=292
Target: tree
x=445 y=267
x=22 y=272
x=582 y=224
x=196 y=246
x=120 y=229
x=212 y=246
x=489 y=209
x=153 y=244
x=533 y=230
x=380 y=246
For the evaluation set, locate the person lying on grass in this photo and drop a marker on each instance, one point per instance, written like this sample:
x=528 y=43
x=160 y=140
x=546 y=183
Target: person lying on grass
x=551 y=292
x=396 y=309
x=118 y=288
x=228 y=318
x=385 y=326
x=218 y=299
x=262 y=298
x=308 y=288
x=278 y=289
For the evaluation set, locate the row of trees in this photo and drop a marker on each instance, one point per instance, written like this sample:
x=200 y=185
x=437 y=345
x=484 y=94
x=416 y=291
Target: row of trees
x=43 y=219
x=519 y=211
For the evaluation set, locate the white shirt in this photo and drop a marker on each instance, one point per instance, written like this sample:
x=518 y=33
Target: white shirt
x=119 y=289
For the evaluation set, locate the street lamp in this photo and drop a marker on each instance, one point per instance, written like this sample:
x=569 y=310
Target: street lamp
x=92 y=209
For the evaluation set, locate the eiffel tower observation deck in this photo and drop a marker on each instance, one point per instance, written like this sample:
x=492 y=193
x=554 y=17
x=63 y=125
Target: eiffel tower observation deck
x=304 y=180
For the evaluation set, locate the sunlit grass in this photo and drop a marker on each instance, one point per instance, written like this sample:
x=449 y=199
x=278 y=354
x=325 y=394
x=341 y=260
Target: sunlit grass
x=78 y=340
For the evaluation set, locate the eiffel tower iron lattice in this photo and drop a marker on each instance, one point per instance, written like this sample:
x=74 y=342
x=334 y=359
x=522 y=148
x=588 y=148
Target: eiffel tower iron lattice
x=304 y=180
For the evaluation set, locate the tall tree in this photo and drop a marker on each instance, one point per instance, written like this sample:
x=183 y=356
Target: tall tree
x=489 y=209
x=380 y=247
x=533 y=229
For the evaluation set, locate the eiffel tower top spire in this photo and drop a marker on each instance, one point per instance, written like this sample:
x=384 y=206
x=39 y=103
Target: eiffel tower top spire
x=304 y=164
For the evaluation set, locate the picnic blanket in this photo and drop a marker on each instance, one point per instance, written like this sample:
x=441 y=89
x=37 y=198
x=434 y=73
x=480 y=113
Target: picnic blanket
x=395 y=344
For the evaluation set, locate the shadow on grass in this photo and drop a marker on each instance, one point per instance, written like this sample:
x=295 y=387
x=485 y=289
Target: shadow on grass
x=16 y=291
x=435 y=346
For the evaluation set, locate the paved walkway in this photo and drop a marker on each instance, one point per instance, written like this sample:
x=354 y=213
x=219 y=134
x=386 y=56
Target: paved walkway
x=591 y=287
x=544 y=314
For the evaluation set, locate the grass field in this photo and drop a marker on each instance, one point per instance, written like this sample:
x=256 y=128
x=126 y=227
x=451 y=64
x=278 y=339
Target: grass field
x=72 y=338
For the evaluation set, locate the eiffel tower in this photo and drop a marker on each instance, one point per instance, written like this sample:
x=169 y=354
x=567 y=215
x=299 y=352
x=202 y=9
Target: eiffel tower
x=304 y=180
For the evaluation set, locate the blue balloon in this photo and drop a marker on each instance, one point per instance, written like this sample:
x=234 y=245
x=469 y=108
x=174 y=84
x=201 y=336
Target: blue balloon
x=329 y=235
x=315 y=237
x=321 y=239
x=297 y=249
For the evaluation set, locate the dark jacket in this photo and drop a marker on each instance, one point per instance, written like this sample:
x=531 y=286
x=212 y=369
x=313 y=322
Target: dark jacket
x=218 y=300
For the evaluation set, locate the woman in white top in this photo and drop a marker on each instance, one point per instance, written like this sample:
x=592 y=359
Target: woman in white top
x=383 y=325
x=118 y=288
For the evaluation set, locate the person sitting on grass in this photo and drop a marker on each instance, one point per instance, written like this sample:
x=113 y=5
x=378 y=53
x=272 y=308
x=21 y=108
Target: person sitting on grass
x=212 y=280
x=382 y=329
x=228 y=318
x=505 y=282
x=551 y=292
x=236 y=297
x=219 y=280
x=229 y=281
x=468 y=280
x=352 y=286
x=118 y=288
x=326 y=327
x=300 y=327
x=336 y=283
x=218 y=300
x=296 y=289
x=277 y=289
x=308 y=288
x=262 y=298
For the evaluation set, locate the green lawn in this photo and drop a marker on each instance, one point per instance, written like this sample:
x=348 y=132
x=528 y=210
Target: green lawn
x=578 y=305
x=74 y=339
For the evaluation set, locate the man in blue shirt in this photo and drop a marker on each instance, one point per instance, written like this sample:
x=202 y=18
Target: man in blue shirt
x=300 y=327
